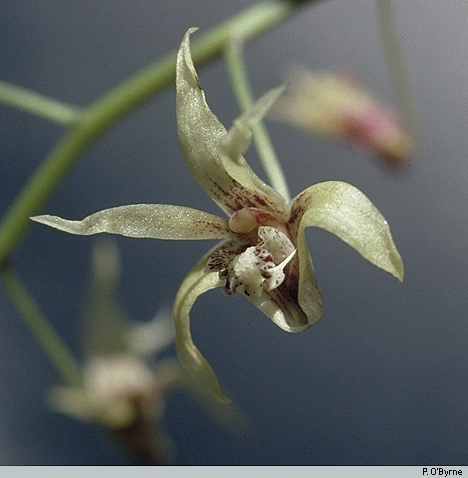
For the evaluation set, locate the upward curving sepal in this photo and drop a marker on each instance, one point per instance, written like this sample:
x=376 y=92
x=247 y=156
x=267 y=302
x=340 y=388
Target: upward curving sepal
x=214 y=159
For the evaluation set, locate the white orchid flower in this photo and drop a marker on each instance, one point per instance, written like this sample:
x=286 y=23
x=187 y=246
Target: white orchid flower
x=263 y=253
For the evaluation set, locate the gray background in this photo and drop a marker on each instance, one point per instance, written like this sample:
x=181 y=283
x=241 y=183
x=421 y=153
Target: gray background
x=382 y=379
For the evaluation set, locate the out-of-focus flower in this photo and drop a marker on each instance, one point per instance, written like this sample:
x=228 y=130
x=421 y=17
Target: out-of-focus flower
x=124 y=389
x=338 y=107
x=263 y=253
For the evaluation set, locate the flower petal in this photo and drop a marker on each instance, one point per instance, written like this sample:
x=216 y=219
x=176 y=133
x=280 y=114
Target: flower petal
x=71 y=401
x=157 y=221
x=309 y=296
x=282 y=308
x=239 y=136
x=228 y=415
x=230 y=182
x=344 y=211
x=105 y=324
x=148 y=339
x=196 y=283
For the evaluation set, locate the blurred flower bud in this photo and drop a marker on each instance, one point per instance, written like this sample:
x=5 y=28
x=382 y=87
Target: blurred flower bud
x=337 y=106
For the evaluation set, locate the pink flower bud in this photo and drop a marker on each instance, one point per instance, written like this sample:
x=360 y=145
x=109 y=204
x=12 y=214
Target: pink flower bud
x=338 y=107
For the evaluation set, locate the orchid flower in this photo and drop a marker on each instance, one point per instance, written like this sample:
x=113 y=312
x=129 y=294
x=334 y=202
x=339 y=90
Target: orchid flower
x=125 y=380
x=339 y=107
x=263 y=252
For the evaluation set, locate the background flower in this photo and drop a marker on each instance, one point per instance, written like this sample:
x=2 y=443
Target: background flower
x=126 y=382
x=339 y=107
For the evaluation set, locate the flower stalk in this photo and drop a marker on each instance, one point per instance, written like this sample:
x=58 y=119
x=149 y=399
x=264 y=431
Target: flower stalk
x=245 y=98
x=50 y=342
x=39 y=105
x=397 y=68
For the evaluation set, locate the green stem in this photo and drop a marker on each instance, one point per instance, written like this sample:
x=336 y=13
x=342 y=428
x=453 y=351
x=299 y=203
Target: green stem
x=36 y=104
x=114 y=105
x=396 y=64
x=245 y=98
x=50 y=342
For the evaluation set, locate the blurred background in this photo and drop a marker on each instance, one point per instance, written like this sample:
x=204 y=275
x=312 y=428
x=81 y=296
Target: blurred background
x=382 y=379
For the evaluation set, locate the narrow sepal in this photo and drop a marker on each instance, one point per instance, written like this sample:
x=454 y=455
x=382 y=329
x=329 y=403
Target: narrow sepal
x=157 y=221
x=227 y=179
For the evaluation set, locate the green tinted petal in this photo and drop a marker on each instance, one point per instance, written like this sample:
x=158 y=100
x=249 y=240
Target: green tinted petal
x=229 y=181
x=309 y=295
x=71 y=401
x=228 y=415
x=157 y=221
x=105 y=325
x=283 y=309
x=344 y=211
x=239 y=136
x=196 y=283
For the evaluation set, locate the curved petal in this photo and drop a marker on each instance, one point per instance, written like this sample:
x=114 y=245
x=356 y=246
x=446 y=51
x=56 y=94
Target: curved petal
x=196 y=283
x=309 y=296
x=281 y=306
x=157 y=221
x=344 y=211
x=239 y=136
x=230 y=182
